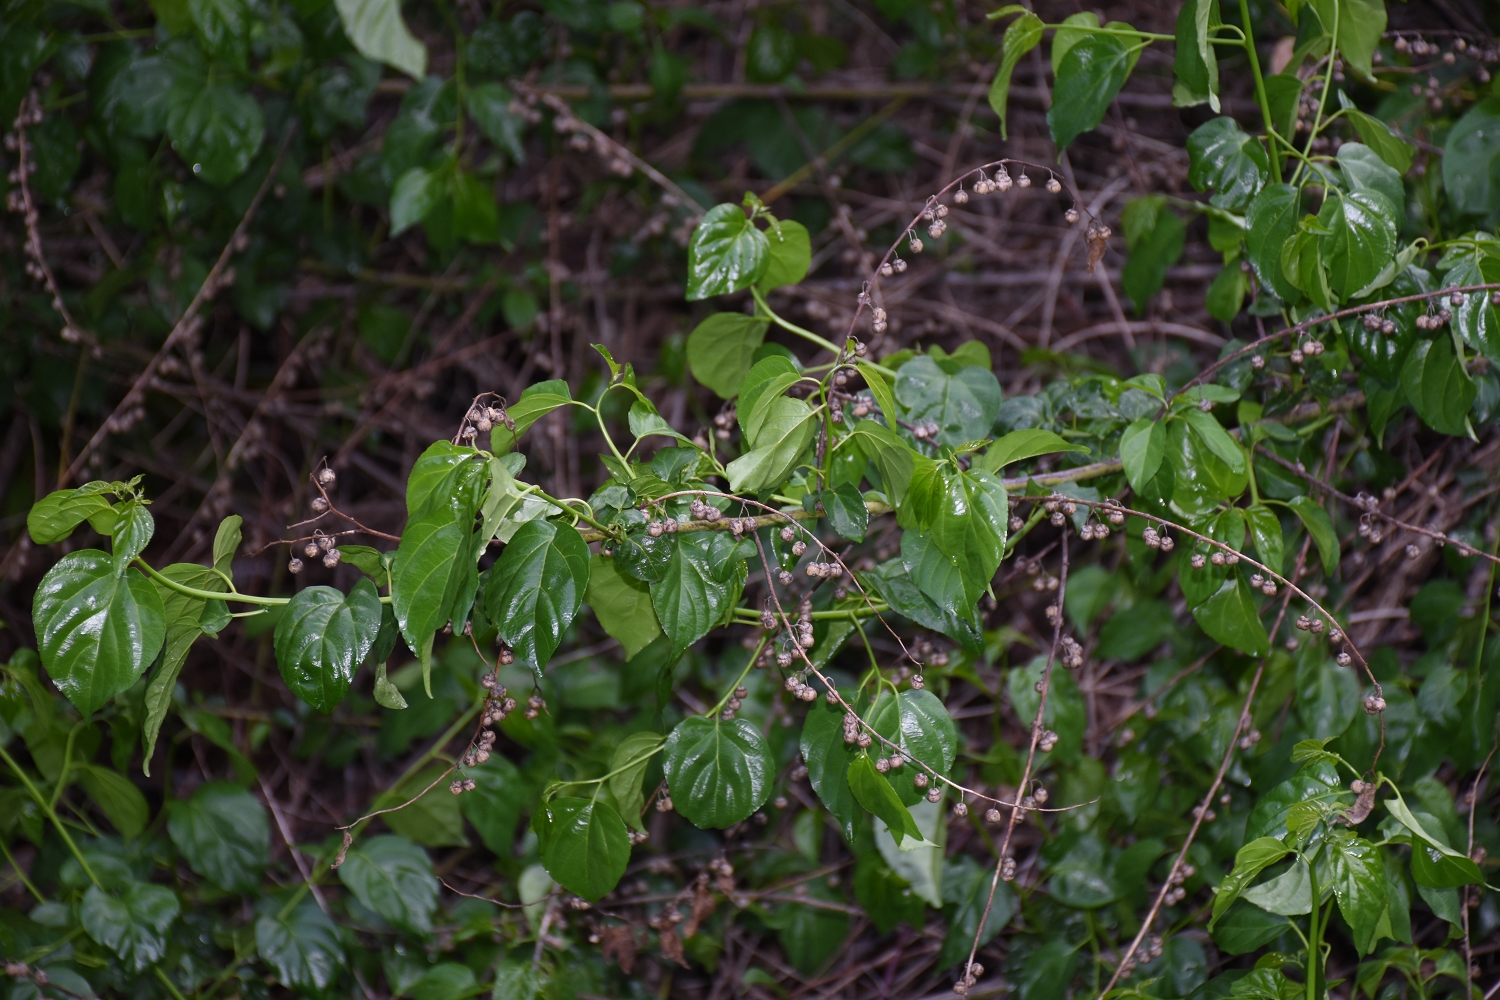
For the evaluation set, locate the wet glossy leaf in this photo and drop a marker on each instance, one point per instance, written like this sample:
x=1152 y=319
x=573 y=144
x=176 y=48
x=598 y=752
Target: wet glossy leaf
x=963 y=403
x=1358 y=879
x=223 y=834
x=1437 y=386
x=1364 y=170
x=875 y=795
x=216 y=129
x=1195 y=65
x=718 y=772
x=727 y=253
x=1471 y=159
x=322 y=638
x=1319 y=784
x=392 y=877
x=302 y=948
x=628 y=765
x=692 y=594
x=1017 y=446
x=782 y=436
x=847 y=513
x=96 y=631
x=1223 y=159
x=536 y=588
x=1142 y=447
x=132 y=924
x=587 y=846
x=1271 y=219
x=1265 y=529
x=1320 y=526
x=827 y=758
x=1249 y=861
x=1361 y=239
x=920 y=725
x=1230 y=617
x=56 y=515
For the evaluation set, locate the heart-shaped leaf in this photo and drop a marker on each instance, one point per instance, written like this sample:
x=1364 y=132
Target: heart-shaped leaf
x=719 y=772
x=536 y=588
x=727 y=253
x=587 y=846
x=322 y=638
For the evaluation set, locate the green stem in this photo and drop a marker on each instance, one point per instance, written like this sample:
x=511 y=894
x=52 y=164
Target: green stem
x=167 y=982
x=598 y=412
x=749 y=665
x=789 y=326
x=52 y=815
x=1314 y=934
x=1260 y=87
x=210 y=595
x=67 y=763
x=632 y=762
x=566 y=505
x=1333 y=55
x=19 y=873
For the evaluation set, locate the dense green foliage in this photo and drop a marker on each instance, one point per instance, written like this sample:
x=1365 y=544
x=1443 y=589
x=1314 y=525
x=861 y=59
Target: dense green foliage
x=1086 y=681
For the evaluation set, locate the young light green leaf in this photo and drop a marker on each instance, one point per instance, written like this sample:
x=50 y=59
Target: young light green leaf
x=727 y=253
x=587 y=846
x=1223 y=159
x=223 y=835
x=721 y=349
x=379 y=33
x=1265 y=529
x=413 y=197
x=1195 y=65
x=1249 y=861
x=96 y=631
x=1023 y=35
x=227 y=543
x=536 y=402
x=622 y=604
x=876 y=796
x=630 y=760
x=1320 y=526
x=784 y=433
x=133 y=529
x=1142 y=447
x=1388 y=144
x=323 y=637
x=392 y=877
x=536 y=588
x=56 y=515
x=718 y=772
x=788 y=255
x=1017 y=446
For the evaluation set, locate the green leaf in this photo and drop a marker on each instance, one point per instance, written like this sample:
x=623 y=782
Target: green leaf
x=897 y=588
x=1320 y=526
x=227 y=543
x=1212 y=433
x=1358 y=879
x=721 y=350
x=413 y=197
x=1437 y=386
x=378 y=32
x=1048 y=970
x=630 y=760
x=892 y=457
x=727 y=253
x=875 y=795
x=623 y=605
x=495 y=803
x=215 y=128
x=827 y=757
x=536 y=588
x=323 y=637
x=1092 y=72
x=1265 y=529
x=587 y=846
x=1271 y=219
x=810 y=934
x=1017 y=446
x=1361 y=239
x=880 y=388
x=788 y=255
x=963 y=403
x=56 y=515
x=223 y=29
x=392 y=877
x=1229 y=616
x=920 y=725
x=1244 y=929
x=223 y=835
x=692 y=595
x=1318 y=784
x=117 y=797
x=1194 y=64
x=1303 y=267
x=1388 y=144
x=1471 y=159
x=782 y=435
x=1223 y=159
x=96 y=631
x=1150 y=254
x=536 y=402
x=1434 y=864
x=1142 y=447
x=446 y=981
x=969 y=528
x=847 y=513
x=302 y=947
x=476 y=217
x=490 y=107
x=433 y=819
x=132 y=532
x=1364 y=170
x=1360 y=25
x=1023 y=35
x=718 y=772
x=186 y=619
x=968 y=885
x=886 y=897
x=1249 y=861
x=133 y=924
